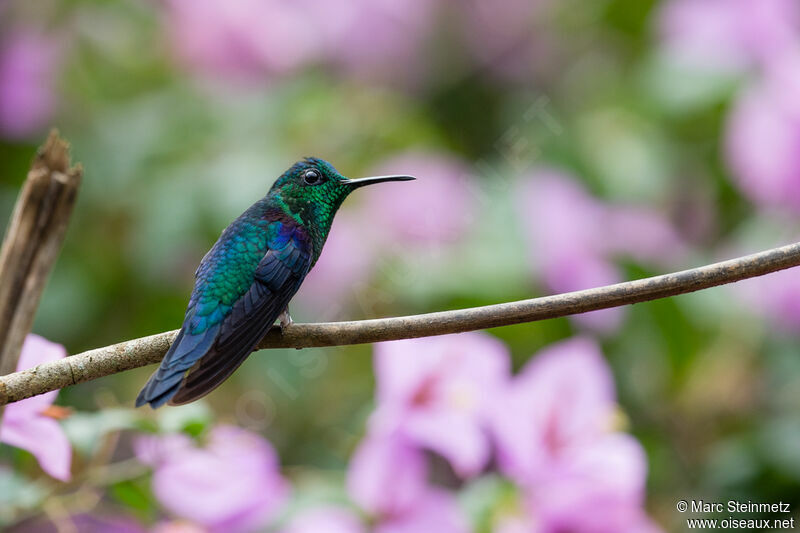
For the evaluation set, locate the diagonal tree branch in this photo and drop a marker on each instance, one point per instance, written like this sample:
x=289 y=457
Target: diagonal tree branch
x=146 y=350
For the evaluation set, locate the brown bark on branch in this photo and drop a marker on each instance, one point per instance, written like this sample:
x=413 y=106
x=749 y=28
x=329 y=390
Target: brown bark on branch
x=32 y=243
x=146 y=350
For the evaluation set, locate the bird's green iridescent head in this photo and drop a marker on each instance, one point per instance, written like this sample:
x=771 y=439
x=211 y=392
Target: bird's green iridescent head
x=312 y=191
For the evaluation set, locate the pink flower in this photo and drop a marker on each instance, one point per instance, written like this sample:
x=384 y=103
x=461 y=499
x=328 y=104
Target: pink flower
x=28 y=63
x=379 y=40
x=326 y=520
x=248 y=39
x=434 y=393
x=729 y=34
x=763 y=138
x=596 y=489
x=152 y=450
x=573 y=238
x=437 y=512
x=24 y=423
x=386 y=476
x=553 y=433
x=231 y=484
x=243 y=39
x=346 y=262
x=178 y=526
x=643 y=235
x=503 y=36
x=562 y=399
x=435 y=209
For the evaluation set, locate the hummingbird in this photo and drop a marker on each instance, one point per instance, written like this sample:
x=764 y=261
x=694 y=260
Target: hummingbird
x=245 y=282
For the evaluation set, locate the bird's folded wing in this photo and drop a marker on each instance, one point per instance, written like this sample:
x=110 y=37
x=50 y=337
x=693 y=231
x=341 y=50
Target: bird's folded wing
x=277 y=278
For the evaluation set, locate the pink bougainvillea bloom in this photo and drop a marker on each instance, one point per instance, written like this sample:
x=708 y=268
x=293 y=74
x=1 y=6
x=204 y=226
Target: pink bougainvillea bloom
x=25 y=426
x=436 y=512
x=435 y=209
x=231 y=484
x=729 y=34
x=554 y=436
x=178 y=526
x=643 y=235
x=434 y=392
x=346 y=261
x=593 y=489
x=503 y=37
x=597 y=488
x=380 y=40
x=763 y=138
x=573 y=238
x=561 y=220
x=152 y=449
x=386 y=476
x=245 y=39
x=28 y=63
x=325 y=520
x=562 y=399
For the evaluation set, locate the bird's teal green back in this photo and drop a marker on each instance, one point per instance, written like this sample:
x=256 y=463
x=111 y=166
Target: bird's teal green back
x=226 y=272
x=233 y=263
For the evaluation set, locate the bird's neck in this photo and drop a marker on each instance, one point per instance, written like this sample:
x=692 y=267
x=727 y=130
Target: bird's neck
x=314 y=217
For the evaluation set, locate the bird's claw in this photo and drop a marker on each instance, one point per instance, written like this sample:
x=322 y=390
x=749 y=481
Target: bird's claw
x=285 y=319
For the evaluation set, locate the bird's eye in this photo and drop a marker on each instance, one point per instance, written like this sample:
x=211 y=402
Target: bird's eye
x=311 y=176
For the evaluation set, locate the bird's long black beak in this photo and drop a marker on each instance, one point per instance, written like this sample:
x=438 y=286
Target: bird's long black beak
x=360 y=182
